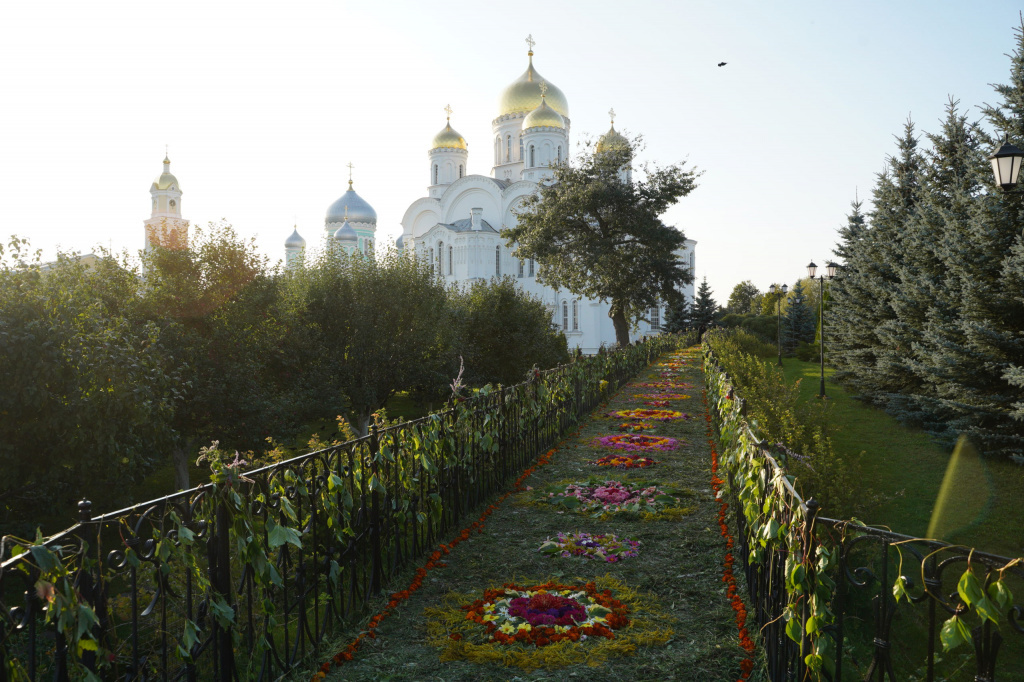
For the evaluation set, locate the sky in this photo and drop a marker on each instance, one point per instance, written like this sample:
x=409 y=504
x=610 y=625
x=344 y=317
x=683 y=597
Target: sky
x=263 y=104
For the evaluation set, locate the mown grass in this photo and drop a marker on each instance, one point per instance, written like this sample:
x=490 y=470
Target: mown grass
x=906 y=468
x=680 y=563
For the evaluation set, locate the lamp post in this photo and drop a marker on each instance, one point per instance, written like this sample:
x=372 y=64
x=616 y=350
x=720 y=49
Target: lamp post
x=812 y=270
x=778 y=311
x=1006 y=163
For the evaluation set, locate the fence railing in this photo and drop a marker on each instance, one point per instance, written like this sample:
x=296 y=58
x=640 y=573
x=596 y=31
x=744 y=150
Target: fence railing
x=837 y=600
x=243 y=577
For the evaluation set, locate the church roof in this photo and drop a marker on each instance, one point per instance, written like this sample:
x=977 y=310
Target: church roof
x=466 y=225
x=166 y=180
x=524 y=94
x=350 y=207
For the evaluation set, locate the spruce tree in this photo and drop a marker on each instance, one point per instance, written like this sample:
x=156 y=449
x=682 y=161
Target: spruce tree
x=705 y=309
x=679 y=317
x=800 y=322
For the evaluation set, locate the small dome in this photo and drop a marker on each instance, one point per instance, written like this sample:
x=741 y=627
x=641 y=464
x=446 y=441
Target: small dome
x=400 y=242
x=166 y=180
x=448 y=139
x=543 y=117
x=524 y=94
x=611 y=140
x=346 y=233
x=295 y=241
x=358 y=210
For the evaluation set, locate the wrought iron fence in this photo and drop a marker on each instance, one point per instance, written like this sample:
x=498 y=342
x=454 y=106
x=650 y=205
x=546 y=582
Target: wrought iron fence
x=837 y=600
x=243 y=577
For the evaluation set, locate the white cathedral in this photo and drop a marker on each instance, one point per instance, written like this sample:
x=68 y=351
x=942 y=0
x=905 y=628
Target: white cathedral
x=457 y=227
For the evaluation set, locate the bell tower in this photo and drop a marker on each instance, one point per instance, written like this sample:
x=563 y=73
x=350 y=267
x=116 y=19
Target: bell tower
x=165 y=226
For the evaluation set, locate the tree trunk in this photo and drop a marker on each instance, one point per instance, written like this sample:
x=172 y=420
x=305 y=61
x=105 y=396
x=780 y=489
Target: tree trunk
x=621 y=325
x=180 y=458
x=360 y=424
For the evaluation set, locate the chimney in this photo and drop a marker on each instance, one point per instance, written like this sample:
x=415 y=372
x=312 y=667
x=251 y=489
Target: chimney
x=474 y=217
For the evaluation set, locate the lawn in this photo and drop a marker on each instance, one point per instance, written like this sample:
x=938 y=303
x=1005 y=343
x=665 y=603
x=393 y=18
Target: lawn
x=906 y=468
x=679 y=569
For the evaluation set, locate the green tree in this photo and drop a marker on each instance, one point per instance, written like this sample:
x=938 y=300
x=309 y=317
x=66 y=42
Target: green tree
x=370 y=327
x=679 y=317
x=503 y=332
x=742 y=297
x=800 y=321
x=599 y=234
x=86 y=393
x=705 y=309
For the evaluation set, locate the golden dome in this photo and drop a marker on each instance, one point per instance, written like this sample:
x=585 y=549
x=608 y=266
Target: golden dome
x=523 y=94
x=448 y=138
x=611 y=140
x=166 y=180
x=543 y=116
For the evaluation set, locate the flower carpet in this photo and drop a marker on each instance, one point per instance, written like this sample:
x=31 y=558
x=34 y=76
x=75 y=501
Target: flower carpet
x=603 y=562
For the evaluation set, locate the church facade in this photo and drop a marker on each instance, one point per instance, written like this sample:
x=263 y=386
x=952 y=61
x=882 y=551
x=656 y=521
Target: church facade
x=457 y=227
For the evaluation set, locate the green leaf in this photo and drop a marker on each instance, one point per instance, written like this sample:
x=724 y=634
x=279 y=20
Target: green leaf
x=999 y=593
x=899 y=589
x=814 y=662
x=86 y=619
x=224 y=614
x=191 y=635
x=969 y=588
x=88 y=645
x=954 y=633
x=568 y=502
x=278 y=535
x=375 y=484
x=334 y=481
x=45 y=559
x=793 y=629
x=987 y=610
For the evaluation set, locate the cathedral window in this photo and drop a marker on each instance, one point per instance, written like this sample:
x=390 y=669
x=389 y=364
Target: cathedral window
x=508 y=148
x=521 y=267
x=575 y=315
x=565 y=315
x=531 y=267
x=431 y=261
x=497 y=261
x=435 y=173
x=693 y=265
x=450 y=259
x=460 y=170
x=655 y=318
x=559 y=153
x=533 y=156
x=440 y=256
x=520 y=147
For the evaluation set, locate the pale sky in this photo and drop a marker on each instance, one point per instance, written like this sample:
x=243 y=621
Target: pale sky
x=263 y=104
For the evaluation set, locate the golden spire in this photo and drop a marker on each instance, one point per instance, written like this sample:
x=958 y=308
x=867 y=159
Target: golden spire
x=448 y=110
x=349 y=181
x=167 y=157
x=611 y=113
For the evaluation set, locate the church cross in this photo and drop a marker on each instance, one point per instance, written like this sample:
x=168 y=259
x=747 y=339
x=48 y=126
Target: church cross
x=543 y=88
x=611 y=112
x=350 y=167
x=448 y=110
x=531 y=42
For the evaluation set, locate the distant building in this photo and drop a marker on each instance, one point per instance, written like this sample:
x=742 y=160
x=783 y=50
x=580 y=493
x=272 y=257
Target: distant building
x=165 y=227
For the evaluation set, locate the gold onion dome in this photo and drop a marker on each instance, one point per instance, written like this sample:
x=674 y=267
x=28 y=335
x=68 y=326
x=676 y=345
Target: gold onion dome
x=543 y=116
x=524 y=95
x=166 y=180
x=448 y=138
x=611 y=140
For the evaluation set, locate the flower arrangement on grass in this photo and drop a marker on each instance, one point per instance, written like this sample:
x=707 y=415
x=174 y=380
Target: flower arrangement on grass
x=606 y=547
x=601 y=498
x=633 y=427
x=663 y=385
x=547 y=625
x=656 y=403
x=668 y=396
x=653 y=415
x=625 y=461
x=637 y=442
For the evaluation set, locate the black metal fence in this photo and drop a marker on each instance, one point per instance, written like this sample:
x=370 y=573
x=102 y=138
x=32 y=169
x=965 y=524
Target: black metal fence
x=837 y=600
x=244 y=577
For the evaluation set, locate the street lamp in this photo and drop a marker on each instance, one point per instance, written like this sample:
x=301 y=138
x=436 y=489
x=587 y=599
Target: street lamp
x=1006 y=163
x=778 y=310
x=812 y=270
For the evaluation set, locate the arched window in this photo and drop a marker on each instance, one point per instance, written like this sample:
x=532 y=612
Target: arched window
x=508 y=148
x=693 y=265
x=575 y=315
x=521 y=263
x=460 y=170
x=520 y=147
x=435 y=173
x=533 y=156
x=497 y=149
x=565 y=315
x=440 y=256
x=559 y=153
x=531 y=267
x=450 y=260
x=497 y=260
x=431 y=261
x=655 y=318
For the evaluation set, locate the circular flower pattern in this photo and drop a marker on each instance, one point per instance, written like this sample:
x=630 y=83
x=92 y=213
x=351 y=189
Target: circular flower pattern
x=611 y=497
x=625 y=461
x=654 y=415
x=638 y=442
x=543 y=614
x=668 y=396
x=633 y=427
x=606 y=547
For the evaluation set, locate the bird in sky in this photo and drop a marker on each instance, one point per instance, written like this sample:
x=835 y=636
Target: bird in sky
x=721 y=63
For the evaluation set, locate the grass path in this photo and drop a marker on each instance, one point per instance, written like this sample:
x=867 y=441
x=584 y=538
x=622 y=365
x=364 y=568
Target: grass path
x=680 y=563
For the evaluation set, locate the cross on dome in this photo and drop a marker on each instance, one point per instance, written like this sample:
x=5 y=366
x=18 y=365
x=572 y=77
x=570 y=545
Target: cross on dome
x=543 y=89
x=531 y=42
x=448 y=110
x=350 y=167
x=611 y=113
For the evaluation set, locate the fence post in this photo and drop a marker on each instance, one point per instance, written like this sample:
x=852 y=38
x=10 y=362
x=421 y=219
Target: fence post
x=89 y=588
x=375 y=570
x=807 y=540
x=220 y=580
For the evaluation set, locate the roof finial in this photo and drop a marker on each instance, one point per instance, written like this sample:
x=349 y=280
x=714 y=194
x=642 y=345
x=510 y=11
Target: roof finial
x=448 y=110
x=350 y=166
x=611 y=113
x=543 y=90
x=531 y=42
x=167 y=158
x=346 y=210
